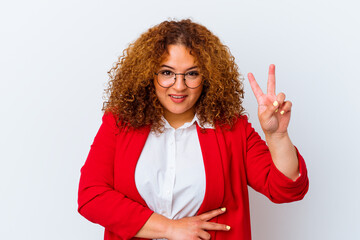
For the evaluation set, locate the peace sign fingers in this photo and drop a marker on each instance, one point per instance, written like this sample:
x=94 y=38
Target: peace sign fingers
x=273 y=110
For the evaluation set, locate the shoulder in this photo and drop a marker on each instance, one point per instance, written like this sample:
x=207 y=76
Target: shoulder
x=240 y=123
x=109 y=118
x=241 y=130
x=113 y=121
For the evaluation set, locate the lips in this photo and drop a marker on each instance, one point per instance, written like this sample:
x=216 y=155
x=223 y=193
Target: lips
x=177 y=98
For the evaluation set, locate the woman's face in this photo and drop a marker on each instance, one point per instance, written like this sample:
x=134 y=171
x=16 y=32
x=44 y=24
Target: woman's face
x=178 y=100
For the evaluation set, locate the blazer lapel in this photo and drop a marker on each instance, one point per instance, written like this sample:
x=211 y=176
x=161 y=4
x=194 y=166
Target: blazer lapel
x=129 y=147
x=214 y=193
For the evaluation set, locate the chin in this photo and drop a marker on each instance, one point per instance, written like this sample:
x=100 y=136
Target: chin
x=179 y=111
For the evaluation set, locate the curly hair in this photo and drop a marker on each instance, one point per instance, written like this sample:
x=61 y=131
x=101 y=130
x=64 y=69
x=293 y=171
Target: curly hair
x=131 y=93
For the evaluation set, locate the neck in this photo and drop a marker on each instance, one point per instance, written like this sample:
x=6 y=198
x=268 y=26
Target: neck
x=177 y=120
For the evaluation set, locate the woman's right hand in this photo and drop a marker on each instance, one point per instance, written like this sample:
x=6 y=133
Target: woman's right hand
x=196 y=227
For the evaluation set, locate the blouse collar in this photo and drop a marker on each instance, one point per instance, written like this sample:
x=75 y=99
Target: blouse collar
x=187 y=124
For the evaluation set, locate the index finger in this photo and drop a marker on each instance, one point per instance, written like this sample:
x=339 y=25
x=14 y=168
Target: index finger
x=211 y=214
x=255 y=86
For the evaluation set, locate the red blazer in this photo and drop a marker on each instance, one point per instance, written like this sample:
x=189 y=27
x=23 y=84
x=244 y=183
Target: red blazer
x=233 y=160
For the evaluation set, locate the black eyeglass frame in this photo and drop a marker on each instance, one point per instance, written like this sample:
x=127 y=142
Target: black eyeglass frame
x=184 y=74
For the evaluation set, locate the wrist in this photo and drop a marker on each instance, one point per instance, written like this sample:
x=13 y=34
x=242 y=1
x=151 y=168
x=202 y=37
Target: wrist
x=169 y=228
x=276 y=137
x=278 y=143
x=157 y=226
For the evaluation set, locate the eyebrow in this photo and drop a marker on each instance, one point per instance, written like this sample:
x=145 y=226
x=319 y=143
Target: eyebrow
x=174 y=68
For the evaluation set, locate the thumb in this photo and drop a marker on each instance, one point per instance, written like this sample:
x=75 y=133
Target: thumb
x=270 y=110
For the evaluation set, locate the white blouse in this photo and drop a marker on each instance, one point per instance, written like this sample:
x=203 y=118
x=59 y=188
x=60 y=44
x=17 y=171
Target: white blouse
x=170 y=174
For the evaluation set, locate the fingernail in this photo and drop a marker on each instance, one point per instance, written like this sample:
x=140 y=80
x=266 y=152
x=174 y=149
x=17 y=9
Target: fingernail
x=277 y=110
x=275 y=103
x=282 y=112
x=228 y=228
x=223 y=209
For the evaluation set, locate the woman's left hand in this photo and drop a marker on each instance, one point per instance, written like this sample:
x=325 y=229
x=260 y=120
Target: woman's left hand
x=274 y=116
x=273 y=111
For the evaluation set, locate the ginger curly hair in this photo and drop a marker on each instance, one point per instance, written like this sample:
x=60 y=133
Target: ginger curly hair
x=131 y=93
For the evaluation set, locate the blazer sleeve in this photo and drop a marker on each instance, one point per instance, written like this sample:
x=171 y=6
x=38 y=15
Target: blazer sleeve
x=98 y=201
x=264 y=177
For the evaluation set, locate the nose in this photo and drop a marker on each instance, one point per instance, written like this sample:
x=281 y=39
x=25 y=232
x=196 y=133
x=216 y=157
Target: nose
x=179 y=82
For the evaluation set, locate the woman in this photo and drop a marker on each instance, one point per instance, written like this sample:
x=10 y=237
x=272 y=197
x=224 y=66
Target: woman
x=175 y=153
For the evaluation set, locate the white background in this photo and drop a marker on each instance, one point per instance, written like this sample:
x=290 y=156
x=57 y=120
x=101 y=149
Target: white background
x=54 y=58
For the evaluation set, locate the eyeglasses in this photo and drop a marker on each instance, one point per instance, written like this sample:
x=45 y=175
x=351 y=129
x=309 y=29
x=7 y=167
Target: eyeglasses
x=167 y=78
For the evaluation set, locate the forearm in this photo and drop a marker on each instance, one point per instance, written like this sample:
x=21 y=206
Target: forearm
x=157 y=226
x=283 y=154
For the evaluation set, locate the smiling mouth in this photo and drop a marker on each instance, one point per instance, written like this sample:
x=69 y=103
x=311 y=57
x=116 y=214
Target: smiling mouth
x=177 y=97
